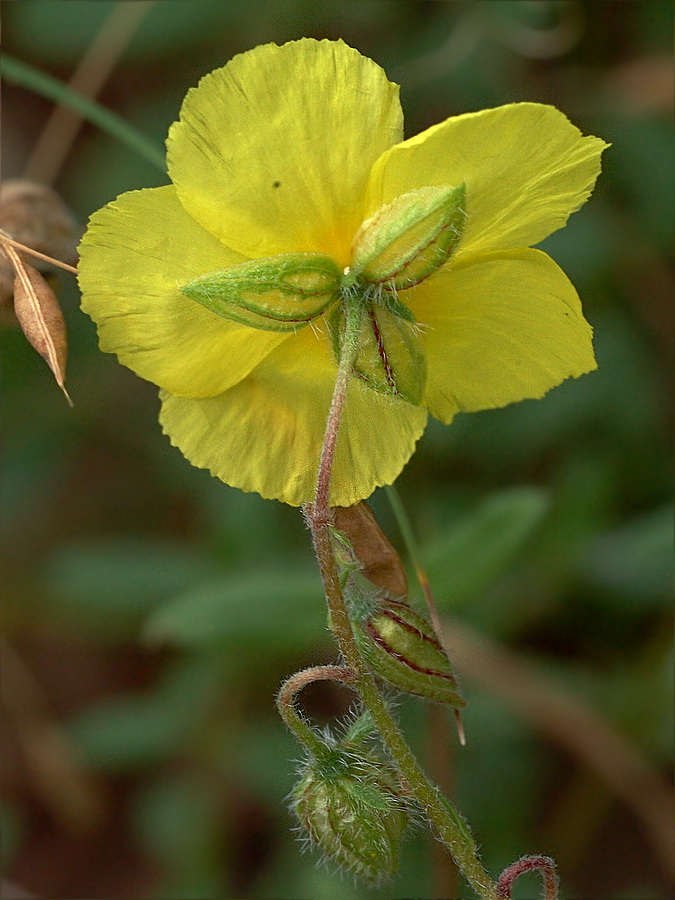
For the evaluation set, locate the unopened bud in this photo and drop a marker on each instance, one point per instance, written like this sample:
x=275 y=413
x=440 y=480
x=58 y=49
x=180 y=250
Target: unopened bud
x=408 y=239
x=277 y=293
x=390 y=357
x=401 y=647
x=350 y=807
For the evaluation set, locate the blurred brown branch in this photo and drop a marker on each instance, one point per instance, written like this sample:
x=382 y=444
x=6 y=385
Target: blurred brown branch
x=573 y=725
x=11 y=891
x=53 y=145
x=73 y=797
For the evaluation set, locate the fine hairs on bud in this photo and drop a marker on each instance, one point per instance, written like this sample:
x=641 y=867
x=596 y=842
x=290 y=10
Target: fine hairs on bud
x=278 y=293
x=409 y=239
x=350 y=806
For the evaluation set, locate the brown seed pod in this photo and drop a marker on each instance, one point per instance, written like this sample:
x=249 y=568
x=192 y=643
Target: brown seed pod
x=40 y=317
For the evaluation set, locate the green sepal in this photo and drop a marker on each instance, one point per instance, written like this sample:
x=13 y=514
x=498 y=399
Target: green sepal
x=351 y=807
x=408 y=239
x=276 y=293
x=400 y=647
x=390 y=357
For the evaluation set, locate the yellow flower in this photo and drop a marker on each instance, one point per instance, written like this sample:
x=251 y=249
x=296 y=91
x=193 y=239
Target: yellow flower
x=289 y=150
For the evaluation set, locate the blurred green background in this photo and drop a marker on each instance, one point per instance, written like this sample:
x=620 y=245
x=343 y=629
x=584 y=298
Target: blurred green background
x=150 y=612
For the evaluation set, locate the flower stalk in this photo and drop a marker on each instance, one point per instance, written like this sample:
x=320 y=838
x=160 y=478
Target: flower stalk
x=447 y=822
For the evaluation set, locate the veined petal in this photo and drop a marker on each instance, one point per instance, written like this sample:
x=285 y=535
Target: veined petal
x=498 y=328
x=136 y=255
x=272 y=152
x=265 y=434
x=526 y=169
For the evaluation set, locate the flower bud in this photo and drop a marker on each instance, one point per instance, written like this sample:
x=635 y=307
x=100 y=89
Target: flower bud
x=390 y=357
x=401 y=648
x=350 y=807
x=276 y=293
x=408 y=239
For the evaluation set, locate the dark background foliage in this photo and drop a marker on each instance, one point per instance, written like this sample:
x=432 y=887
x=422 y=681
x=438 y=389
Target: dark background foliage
x=150 y=612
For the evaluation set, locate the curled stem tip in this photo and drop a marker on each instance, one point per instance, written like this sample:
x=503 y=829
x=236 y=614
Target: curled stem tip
x=543 y=864
x=300 y=727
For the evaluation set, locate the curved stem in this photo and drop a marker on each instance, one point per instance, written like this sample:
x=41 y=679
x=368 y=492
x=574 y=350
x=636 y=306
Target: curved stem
x=543 y=864
x=447 y=822
x=297 y=723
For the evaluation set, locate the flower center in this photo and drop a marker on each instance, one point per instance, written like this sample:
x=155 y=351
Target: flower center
x=403 y=243
x=398 y=247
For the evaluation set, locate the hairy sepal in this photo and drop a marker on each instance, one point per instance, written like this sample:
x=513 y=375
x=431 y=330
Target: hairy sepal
x=350 y=806
x=277 y=293
x=390 y=357
x=408 y=239
x=400 y=647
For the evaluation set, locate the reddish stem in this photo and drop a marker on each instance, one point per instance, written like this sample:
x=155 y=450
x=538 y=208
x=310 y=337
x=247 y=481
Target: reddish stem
x=543 y=864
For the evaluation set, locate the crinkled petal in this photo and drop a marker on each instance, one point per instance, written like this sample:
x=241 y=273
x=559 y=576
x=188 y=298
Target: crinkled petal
x=265 y=434
x=526 y=169
x=272 y=152
x=498 y=328
x=136 y=254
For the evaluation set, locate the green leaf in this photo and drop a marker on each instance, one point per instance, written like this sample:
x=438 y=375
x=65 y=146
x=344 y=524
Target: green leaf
x=178 y=822
x=635 y=560
x=474 y=552
x=390 y=358
x=282 y=609
x=13 y=829
x=107 y=585
x=130 y=731
x=17 y=72
x=408 y=239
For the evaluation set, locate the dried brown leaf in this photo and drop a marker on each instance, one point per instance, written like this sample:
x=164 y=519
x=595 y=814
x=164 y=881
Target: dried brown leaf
x=379 y=560
x=40 y=316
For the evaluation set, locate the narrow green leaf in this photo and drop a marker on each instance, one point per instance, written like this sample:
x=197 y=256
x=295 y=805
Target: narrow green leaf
x=278 y=608
x=476 y=550
x=17 y=72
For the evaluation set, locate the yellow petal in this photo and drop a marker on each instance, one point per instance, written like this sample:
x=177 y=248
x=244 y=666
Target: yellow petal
x=137 y=253
x=498 y=328
x=272 y=152
x=265 y=434
x=526 y=169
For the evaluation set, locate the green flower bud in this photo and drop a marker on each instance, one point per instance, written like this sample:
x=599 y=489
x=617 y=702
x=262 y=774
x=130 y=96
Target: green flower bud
x=349 y=804
x=407 y=240
x=401 y=647
x=390 y=357
x=277 y=293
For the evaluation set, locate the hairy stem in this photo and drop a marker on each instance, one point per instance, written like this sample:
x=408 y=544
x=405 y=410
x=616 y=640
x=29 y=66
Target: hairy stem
x=297 y=723
x=543 y=864
x=446 y=821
